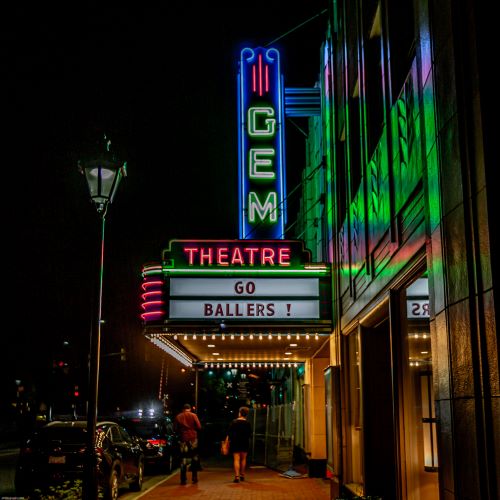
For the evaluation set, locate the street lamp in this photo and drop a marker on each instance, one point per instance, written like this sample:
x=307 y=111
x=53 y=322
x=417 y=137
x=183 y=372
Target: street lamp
x=103 y=172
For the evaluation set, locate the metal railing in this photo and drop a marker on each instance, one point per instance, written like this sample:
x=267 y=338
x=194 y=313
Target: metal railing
x=273 y=436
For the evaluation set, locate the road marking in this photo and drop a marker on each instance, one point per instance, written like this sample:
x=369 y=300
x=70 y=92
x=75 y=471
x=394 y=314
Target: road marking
x=149 y=488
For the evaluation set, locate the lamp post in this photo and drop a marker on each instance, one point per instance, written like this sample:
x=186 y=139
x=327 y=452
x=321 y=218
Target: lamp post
x=103 y=173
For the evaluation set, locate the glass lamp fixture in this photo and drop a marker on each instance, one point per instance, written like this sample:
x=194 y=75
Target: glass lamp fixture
x=103 y=173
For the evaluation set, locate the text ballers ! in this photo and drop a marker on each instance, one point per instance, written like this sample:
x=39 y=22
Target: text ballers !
x=243 y=310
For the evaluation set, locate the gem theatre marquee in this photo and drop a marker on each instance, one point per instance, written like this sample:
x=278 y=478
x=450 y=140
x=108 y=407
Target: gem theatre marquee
x=237 y=282
x=260 y=280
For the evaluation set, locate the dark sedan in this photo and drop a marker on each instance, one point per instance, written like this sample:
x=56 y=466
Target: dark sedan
x=55 y=454
x=157 y=438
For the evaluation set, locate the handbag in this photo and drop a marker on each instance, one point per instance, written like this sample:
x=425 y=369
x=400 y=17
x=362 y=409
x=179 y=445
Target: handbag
x=224 y=446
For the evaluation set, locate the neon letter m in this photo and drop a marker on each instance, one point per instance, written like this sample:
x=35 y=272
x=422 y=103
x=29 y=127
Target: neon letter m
x=268 y=209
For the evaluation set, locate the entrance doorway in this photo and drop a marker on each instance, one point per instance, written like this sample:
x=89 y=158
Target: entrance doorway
x=418 y=427
x=390 y=422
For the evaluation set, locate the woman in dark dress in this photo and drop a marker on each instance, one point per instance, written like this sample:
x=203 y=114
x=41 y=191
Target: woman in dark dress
x=239 y=433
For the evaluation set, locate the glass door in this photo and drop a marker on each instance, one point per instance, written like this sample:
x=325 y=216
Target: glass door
x=420 y=481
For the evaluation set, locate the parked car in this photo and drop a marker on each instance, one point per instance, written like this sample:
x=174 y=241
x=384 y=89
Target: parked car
x=157 y=437
x=56 y=453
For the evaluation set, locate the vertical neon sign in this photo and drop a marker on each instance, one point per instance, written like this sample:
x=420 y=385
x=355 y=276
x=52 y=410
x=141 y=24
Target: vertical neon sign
x=261 y=138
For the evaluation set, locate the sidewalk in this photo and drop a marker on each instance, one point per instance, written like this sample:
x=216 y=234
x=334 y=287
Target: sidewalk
x=261 y=483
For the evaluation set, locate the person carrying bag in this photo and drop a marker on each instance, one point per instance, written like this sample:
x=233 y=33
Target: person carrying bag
x=239 y=434
x=224 y=446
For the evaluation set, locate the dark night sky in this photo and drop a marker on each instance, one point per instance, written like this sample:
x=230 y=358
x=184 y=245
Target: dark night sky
x=162 y=83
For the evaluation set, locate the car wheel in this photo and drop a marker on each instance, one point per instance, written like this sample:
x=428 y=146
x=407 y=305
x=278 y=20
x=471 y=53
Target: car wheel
x=136 y=485
x=112 y=493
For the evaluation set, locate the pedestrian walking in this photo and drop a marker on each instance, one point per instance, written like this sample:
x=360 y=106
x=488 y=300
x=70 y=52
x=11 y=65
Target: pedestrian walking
x=239 y=433
x=187 y=426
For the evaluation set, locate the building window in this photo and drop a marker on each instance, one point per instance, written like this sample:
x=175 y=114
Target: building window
x=401 y=42
x=354 y=143
x=420 y=447
x=354 y=431
x=352 y=100
x=373 y=82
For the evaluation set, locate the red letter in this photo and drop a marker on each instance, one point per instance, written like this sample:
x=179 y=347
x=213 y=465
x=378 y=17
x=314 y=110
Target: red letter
x=250 y=309
x=190 y=252
x=284 y=256
x=267 y=256
x=222 y=257
x=208 y=310
x=206 y=254
x=251 y=251
x=236 y=257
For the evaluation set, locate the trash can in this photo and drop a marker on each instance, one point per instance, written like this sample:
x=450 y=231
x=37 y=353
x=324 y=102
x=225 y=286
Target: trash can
x=317 y=467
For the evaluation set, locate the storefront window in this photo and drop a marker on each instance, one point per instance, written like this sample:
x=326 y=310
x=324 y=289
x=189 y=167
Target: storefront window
x=419 y=417
x=355 y=478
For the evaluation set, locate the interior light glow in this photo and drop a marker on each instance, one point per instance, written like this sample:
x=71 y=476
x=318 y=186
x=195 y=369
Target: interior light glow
x=105 y=173
x=172 y=350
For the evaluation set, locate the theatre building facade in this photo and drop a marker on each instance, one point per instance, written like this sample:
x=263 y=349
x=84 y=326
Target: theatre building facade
x=386 y=289
x=402 y=208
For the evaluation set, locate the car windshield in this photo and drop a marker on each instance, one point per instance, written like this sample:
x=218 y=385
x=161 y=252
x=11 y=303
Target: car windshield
x=144 y=428
x=66 y=435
